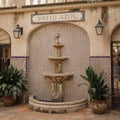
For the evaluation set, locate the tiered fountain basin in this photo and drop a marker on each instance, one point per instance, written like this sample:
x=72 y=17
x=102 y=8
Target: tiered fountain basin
x=58 y=58
x=63 y=75
x=57 y=107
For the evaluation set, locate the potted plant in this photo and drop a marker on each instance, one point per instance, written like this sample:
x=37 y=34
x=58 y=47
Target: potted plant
x=98 y=90
x=12 y=85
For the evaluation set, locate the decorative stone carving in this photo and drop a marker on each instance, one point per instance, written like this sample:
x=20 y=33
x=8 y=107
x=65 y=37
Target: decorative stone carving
x=56 y=89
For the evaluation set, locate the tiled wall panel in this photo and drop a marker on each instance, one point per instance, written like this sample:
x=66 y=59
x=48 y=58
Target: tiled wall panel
x=76 y=48
x=102 y=64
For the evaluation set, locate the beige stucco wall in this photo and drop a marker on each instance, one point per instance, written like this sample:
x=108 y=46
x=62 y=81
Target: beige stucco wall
x=99 y=45
x=113 y=21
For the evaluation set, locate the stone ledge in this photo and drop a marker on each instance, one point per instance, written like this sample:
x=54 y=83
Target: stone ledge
x=61 y=7
x=58 y=107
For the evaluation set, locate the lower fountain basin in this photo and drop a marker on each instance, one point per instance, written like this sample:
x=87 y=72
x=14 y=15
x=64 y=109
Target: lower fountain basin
x=57 y=107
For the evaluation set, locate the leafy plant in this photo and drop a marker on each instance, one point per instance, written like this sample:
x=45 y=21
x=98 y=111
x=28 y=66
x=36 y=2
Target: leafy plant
x=98 y=90
x=12 y=82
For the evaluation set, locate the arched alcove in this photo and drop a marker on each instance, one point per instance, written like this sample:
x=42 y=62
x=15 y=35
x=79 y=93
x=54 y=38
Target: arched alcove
x=116 y=34
x=115 y=53
x=4 y=37
x=5 y=49
x=76 y=48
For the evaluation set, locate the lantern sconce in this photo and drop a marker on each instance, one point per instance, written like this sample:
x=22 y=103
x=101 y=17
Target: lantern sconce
x=99 y=28
x=17 y=32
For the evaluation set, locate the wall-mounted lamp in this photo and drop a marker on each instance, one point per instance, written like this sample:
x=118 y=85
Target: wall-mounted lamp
x=17 y=32
x=99 y=28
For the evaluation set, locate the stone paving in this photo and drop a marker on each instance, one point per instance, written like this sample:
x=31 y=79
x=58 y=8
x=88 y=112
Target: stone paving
x=22 y=112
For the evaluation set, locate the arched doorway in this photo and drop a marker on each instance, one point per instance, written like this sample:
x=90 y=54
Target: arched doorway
x=115 y=53
x=5 y=49
x=76 y=48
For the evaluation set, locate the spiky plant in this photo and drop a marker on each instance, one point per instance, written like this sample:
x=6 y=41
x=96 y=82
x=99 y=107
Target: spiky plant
x=98 y=90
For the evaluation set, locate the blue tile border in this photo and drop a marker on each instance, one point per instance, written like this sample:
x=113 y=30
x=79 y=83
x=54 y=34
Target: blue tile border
x=90 y=56
x=19 y=57
x=100 y=56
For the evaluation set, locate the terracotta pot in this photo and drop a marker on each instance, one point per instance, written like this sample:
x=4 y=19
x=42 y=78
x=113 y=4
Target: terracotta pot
x=99 y=106
x=9 y=100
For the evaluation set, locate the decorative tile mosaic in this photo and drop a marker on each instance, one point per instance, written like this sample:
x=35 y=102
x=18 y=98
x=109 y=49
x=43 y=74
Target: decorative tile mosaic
x=76 y=48
x=116 y=34
x=4 y=37
x=20 y=62
x=114 y=12
x=102 y=64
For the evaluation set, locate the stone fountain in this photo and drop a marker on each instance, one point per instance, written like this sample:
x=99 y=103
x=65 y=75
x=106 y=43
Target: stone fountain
x=57 y=104
x=57 y=78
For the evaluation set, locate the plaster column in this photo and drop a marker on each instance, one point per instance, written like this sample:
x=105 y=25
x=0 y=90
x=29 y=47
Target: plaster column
x=19 y=3
x=4 y=2
x=39 y=1
x=31 y=2
x=10 y=3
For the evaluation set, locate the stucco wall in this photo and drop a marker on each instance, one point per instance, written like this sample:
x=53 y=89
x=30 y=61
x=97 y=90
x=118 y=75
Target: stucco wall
x=19 y=46
x=99 y=45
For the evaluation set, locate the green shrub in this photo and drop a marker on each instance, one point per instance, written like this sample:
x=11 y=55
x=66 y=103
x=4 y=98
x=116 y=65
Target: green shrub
x=12 y=82
x=98 y=90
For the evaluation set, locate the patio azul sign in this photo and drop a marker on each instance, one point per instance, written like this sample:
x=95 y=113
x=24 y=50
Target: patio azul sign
x=58 y=17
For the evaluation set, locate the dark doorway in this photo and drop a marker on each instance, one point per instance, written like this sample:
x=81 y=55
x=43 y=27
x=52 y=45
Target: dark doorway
x=115 y=52
x=5 y=53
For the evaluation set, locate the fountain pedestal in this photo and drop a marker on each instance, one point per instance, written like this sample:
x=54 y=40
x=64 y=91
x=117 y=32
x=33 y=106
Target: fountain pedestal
x=57 y=80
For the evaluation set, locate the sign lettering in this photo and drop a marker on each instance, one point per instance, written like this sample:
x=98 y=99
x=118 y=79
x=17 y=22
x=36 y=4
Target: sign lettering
x=57 y=17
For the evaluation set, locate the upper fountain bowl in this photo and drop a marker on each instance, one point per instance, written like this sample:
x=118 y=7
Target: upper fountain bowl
x=61 y=58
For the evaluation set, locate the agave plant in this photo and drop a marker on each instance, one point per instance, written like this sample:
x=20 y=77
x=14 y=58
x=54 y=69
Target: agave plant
x=12 y=82
x=98 y=90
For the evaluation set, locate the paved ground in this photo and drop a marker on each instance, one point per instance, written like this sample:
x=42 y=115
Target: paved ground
x=22 y=112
